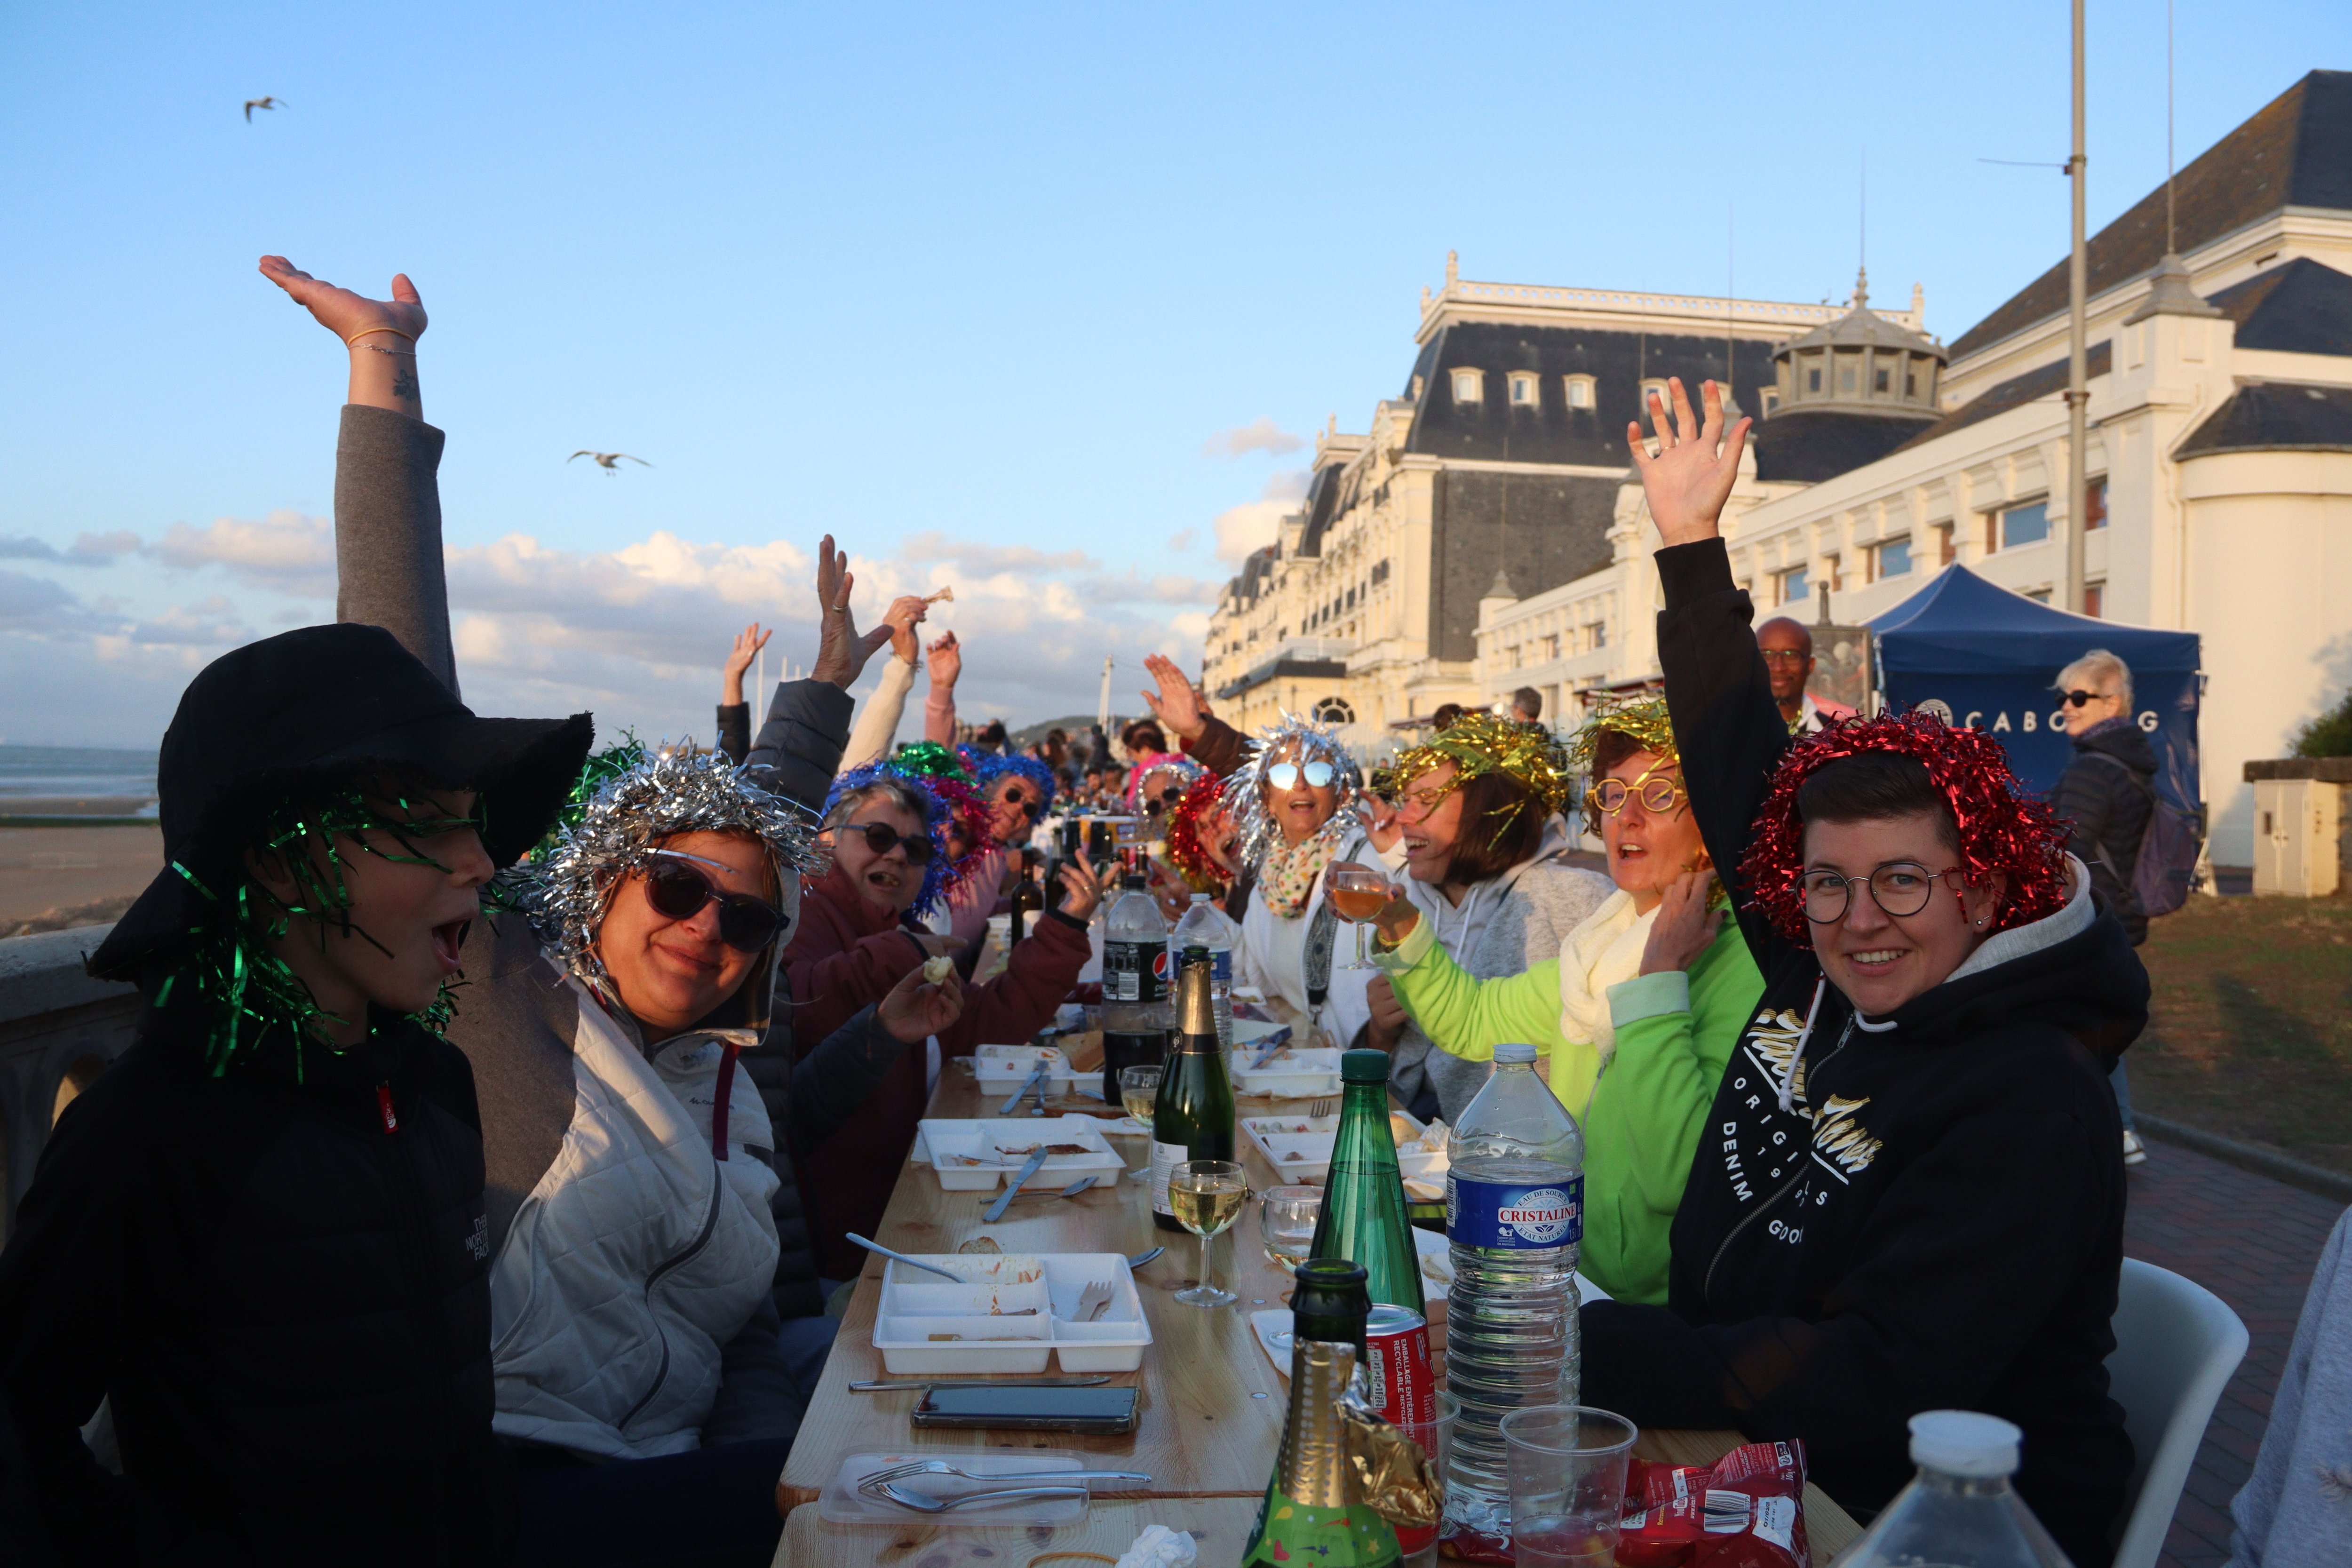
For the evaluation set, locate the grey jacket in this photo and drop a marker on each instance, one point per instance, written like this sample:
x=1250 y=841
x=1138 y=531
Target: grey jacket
x=1502 y=927
x=515 y=1019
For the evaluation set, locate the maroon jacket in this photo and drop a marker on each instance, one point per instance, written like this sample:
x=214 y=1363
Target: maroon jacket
x=844 y=956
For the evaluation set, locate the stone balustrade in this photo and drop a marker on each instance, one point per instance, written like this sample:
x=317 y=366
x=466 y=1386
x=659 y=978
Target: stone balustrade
x=59 y=1029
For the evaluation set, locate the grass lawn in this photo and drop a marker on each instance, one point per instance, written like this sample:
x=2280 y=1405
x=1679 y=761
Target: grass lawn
x=2251 y=1028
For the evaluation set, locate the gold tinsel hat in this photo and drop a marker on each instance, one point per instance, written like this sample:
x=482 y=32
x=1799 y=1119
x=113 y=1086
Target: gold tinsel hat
x=1641 y=718
x=1480 y=744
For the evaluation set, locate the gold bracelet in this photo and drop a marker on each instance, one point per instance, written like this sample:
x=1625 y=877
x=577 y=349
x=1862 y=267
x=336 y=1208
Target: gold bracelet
x=353 y=339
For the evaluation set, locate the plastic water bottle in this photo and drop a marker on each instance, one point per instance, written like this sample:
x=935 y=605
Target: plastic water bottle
x=1959 y=1510
x=1205 y=925
x=1515 y=1215
x=1137 y=1009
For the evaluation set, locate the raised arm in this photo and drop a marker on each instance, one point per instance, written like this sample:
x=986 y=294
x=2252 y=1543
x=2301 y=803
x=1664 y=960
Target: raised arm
x=875 y=734
x=388 y=567
x=800 y=743
x=1728 y=726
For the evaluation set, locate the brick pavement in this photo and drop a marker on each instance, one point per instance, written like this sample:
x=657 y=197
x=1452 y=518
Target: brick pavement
x=2251 y=1241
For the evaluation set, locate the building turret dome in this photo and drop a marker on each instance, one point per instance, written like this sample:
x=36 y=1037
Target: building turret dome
x=1863 y=362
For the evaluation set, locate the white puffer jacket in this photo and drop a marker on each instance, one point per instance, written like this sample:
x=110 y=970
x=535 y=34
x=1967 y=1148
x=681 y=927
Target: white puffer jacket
x=640 y=1252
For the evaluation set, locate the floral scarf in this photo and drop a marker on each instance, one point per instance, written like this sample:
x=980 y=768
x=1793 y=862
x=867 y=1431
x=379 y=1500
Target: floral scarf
x=1287 y=879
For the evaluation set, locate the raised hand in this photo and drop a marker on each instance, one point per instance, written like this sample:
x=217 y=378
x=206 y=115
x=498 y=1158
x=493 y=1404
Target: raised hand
x=1686 y=925
x=914 y=1008
x=841 y=651
x=1691 y=477
x=947 y=661
x=1176 y=705
x=342 y=311
x=1382 y=827
x=1081 y=888
x=748 y=644
x=906 y=612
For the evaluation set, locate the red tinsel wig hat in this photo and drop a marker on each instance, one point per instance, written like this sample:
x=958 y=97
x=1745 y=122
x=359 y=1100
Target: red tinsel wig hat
x=2001 y=827
x=1193 y=809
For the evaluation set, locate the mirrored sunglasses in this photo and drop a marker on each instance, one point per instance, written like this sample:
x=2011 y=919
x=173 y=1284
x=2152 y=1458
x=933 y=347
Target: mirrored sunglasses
x=1285 y=775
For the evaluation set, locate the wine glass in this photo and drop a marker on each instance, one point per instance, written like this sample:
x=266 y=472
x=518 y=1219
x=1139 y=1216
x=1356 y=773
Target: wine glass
x=1139 y=1091
x=1207 y=1197
x=1286 y=1218
x=1358 y=895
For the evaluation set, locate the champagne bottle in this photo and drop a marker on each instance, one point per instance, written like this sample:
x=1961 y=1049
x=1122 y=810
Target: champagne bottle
x=1314 y=1509
x=1364 y=1219
x=1193 y=1119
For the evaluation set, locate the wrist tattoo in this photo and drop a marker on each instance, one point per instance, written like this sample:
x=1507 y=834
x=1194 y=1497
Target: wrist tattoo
x=404 y=385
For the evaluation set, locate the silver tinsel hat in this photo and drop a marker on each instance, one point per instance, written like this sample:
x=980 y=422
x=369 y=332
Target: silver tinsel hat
x=619 y=828
x=1292 y=740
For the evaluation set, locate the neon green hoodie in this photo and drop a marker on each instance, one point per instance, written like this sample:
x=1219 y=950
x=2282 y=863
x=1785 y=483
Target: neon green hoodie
x=1643 y=1110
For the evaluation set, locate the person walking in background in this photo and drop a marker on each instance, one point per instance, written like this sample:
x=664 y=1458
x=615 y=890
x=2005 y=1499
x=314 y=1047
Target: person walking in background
x=2108 y=794
x=1787 y=650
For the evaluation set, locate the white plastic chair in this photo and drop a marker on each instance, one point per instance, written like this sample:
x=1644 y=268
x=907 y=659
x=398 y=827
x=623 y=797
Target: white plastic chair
x=2176 y=1345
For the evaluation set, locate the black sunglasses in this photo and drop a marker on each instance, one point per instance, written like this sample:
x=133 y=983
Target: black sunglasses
x=2079 y=698
x=679 y=891
x=881 y=837
x=1028 y=803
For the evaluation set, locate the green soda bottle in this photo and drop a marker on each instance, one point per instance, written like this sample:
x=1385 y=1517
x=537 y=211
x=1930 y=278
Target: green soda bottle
x=1363 y=1219
x=1313 y=1510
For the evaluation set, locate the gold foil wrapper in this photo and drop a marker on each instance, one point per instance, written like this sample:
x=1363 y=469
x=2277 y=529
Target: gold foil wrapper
x=1392 y=1474
x=1313 y=1462
x=1196 y=1011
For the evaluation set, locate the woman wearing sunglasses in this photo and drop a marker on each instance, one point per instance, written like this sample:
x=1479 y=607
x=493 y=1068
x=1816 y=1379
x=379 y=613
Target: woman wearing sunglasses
x=1638 y=1008
x=1911 y=1192
x=890 y=862
x=1294 y=807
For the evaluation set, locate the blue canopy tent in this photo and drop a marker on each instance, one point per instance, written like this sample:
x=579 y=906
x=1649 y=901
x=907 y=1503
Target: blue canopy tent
x=1985 y=657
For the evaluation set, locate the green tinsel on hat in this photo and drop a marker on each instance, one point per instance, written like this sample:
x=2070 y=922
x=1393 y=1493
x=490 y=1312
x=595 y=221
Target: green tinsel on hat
x=931 y=759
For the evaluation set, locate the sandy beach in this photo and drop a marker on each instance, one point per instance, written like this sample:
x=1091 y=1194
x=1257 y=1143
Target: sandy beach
x=59 y=877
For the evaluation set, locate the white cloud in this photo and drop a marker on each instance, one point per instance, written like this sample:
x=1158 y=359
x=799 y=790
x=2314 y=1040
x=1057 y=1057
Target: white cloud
x=1253 y=524
x=86 y=550
x=286 y=551
x=974 y=556
x=1260 y=435
x=1182 y=540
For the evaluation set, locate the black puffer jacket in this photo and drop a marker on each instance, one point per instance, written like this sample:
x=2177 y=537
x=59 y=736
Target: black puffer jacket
x=1936 y=1221
x=2106 y=794
x=285 y=1299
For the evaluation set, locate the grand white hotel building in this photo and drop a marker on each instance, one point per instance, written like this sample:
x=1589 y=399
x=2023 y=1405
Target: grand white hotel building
x=1486 y=532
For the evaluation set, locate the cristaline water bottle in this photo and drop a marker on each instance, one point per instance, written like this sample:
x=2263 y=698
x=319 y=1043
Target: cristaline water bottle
x=1514 y=1216
x=1959 y=1510
x=1206 y=926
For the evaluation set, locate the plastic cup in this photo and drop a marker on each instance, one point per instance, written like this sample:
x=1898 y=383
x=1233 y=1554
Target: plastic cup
x=1436 y=1441
x=1568 y=1484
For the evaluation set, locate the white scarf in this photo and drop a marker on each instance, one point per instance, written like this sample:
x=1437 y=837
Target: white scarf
x=1603 y=950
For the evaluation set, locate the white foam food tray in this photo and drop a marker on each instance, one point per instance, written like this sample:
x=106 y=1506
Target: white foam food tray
x=1299 y=1147
x=1004 y=1068
x=1015 y=1311
x=1289 y=1074
x=980 y=1156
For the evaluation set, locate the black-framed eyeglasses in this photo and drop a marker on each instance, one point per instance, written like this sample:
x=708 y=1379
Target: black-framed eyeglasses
x=1285 y=775
x=1784 y=655
x=678 y=891
x=1659 y=793
x=1899 y=887
x=881 y=837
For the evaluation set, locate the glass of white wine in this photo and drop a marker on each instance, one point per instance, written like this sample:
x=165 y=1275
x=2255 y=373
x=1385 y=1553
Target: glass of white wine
x=1207 y=1196
x=1139 y=1091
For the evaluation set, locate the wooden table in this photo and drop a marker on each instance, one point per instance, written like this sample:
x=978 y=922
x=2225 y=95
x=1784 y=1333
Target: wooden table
x=1214 y=1405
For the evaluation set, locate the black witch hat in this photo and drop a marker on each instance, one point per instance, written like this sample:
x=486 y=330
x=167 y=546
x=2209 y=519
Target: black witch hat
x=312 y=707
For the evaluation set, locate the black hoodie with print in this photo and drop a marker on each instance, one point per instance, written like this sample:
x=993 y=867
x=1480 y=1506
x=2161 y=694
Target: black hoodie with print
x=1934 y=1220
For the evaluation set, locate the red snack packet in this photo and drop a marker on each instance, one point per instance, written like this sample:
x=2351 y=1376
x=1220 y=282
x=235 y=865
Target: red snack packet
x=1745 y=1511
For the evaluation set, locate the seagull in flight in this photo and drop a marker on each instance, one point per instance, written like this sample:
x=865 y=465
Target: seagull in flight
x=265 y=102
x=608 y=461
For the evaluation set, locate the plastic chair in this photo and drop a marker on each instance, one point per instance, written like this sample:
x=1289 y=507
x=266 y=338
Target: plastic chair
x=2176 y=1345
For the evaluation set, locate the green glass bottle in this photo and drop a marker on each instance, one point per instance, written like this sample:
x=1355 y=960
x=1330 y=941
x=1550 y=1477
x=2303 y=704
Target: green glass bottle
x=1193 y=1118
x=1363 y=1219
x=1313 y=1510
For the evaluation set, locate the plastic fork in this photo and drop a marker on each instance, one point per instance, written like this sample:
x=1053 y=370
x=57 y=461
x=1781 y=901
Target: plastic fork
x=924 y=1502
x=880 y=1479
x=1097 y=1296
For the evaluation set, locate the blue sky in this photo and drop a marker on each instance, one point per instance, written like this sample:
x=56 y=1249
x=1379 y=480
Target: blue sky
x=978 y=289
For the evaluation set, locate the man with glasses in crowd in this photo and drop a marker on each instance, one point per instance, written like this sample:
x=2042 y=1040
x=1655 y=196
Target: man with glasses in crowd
x=1787 y=650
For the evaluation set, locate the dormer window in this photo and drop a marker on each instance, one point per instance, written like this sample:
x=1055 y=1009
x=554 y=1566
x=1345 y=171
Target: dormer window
x=1580 y=391
x=1813 y=379
x=1771 y=396
x=1523 y=389
x=1659 y=387
x=1885 y=380
x=1469 y=386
